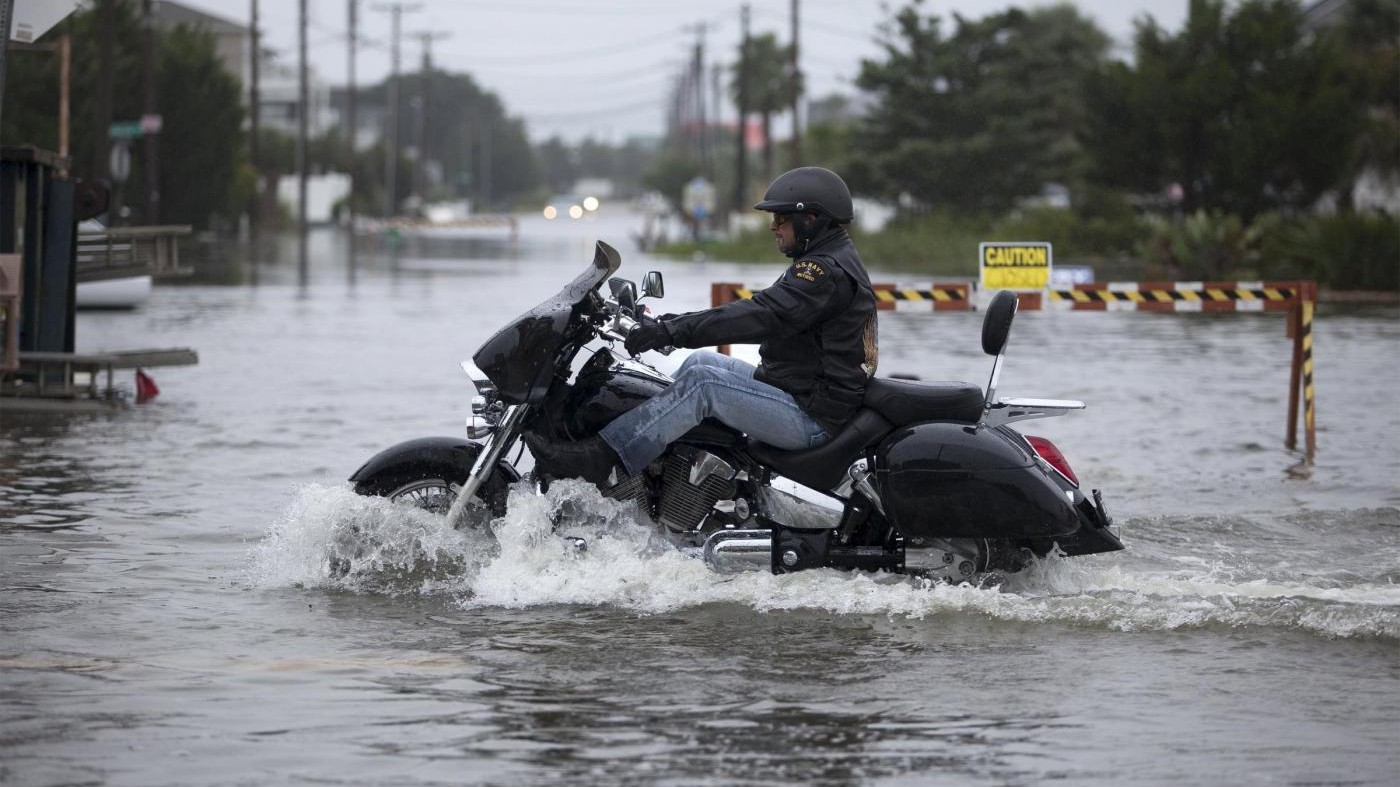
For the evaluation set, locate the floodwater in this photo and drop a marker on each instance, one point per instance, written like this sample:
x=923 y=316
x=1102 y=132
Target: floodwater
x=166 y=617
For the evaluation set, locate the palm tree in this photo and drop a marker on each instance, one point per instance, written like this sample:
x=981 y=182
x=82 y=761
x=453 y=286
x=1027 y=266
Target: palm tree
x=770 y=85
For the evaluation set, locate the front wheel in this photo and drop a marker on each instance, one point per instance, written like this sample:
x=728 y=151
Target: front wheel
x=429 y=486
x=432 y=487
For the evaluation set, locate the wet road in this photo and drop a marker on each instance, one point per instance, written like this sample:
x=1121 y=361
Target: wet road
x=166 y=618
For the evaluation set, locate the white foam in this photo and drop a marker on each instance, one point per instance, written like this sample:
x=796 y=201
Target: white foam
x=385 y=547
x=523 y=560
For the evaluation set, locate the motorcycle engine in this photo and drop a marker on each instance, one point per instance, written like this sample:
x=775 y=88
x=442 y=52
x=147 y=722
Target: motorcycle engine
x=693 y=481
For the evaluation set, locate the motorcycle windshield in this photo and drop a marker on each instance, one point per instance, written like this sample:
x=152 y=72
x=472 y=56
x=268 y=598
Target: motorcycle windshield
x=520 y=358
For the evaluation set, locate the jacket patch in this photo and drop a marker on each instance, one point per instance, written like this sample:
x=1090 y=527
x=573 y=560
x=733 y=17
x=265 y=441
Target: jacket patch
x=808 y=271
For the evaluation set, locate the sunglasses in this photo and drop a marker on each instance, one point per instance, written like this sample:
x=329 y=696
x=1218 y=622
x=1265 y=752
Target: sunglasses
x=779 y=219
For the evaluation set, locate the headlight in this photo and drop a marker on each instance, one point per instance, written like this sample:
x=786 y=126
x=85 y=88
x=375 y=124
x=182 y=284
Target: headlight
x=483 y=384
x=478 y=427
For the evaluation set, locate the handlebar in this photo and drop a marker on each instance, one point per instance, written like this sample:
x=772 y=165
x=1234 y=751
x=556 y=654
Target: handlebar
x=621 y=324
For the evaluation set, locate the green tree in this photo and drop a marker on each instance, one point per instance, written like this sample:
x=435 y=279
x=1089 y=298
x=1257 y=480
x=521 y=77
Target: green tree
x=831 y=132
x=668 y=174
x=481 y=152
x=1241 y=109
x=596 y=159
x=201 y=143
x=202 y=169
x=982 y=117
x=768 y=88
x=1371 y=34
x=558 y=164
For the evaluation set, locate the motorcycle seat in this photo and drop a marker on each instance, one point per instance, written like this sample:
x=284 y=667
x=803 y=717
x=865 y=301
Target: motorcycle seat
x=822 y=467
x=904 y=402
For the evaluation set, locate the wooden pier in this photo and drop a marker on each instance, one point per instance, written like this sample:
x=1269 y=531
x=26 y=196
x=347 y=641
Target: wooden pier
x=78 y=381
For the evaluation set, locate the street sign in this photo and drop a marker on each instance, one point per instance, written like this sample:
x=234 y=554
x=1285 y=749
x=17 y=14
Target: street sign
x=33 y=18
x=698 y=199
x=119 y=161
x=1014 y=266
x=129 y=129
x=151 y=124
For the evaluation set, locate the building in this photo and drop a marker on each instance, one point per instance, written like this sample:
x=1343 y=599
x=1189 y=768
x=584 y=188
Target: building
x=278 y=88
x=1375 y=189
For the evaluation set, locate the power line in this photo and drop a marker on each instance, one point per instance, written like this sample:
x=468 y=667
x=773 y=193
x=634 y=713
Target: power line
x=589 y=85
x=653 y=103
x=809 y=24
x=573 y=8
x=396 y=11
x=553 y=56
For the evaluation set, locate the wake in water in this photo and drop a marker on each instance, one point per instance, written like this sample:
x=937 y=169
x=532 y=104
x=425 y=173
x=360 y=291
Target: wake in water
x=330 y=537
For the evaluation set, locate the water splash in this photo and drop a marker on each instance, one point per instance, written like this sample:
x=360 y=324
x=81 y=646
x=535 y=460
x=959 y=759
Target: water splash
x=332 y=537
x=530 y=557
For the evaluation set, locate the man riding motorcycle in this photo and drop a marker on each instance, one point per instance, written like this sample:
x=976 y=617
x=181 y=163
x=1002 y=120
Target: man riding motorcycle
x=818 y=332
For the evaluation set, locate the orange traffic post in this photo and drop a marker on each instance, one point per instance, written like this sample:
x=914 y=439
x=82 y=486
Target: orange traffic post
x=1300 y=322
x=720 y=294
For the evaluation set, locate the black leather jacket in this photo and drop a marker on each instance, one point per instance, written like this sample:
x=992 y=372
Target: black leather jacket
x=816 y=325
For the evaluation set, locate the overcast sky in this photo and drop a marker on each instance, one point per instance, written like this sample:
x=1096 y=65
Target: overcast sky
x=605 y=68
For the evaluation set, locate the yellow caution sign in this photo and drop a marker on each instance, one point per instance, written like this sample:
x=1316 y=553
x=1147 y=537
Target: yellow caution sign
x=1014 y=266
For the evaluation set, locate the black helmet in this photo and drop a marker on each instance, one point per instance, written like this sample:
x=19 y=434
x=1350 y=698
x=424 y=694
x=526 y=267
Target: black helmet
x=809 y=189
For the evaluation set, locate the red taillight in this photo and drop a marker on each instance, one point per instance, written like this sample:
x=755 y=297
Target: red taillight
x=1051 y=454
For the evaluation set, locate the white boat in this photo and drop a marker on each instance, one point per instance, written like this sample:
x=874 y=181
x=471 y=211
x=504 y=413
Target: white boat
x=124 y=293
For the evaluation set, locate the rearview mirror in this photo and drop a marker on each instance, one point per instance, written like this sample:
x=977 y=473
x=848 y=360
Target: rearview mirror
x=996 y=326
x=653 y=286
x=625 y=292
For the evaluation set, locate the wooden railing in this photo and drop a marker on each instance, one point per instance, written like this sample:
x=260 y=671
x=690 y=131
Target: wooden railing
x=121 y=252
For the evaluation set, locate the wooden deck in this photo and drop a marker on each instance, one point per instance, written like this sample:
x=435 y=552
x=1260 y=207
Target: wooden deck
x=68 y=381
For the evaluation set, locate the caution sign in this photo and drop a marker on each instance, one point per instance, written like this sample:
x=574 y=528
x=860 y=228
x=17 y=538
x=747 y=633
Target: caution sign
x=1014 y=266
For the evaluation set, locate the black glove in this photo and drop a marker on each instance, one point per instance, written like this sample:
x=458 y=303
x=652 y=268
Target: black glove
x=647 y=335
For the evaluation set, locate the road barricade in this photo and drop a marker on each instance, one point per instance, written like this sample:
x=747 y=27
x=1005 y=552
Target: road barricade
x=1296 y=298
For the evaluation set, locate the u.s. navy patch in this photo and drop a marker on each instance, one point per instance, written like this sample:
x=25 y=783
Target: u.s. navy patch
x=807 y=270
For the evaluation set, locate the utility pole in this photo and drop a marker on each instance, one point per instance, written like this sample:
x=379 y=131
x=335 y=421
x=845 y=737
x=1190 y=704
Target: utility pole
x=741 y=121
x=697 y=97
x=65 y=75
x=303 y=109
x=7 y=8
x=712 y=134
x=391 y=139
x=796 y=94
x=484 y=134
x=352 y=121
x=425 y=91
x=102 y=107
x=148 y=78
x=254 y=113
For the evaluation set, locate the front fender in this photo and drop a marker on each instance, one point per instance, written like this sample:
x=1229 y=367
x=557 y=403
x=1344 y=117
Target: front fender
x=455 y=451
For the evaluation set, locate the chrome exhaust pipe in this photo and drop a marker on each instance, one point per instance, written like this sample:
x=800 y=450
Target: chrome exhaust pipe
x=735 y=551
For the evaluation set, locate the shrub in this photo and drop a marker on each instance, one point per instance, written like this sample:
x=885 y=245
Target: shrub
x=1204 y=245
x=1345 y=251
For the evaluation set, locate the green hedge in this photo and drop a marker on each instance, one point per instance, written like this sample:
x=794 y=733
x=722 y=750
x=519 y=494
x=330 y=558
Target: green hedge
x=1346 y=251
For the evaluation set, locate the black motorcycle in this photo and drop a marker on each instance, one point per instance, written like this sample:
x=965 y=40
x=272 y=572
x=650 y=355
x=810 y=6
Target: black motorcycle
x=927 y=478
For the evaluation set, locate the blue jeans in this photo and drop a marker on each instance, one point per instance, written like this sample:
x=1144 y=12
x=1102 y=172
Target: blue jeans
x=715 y=386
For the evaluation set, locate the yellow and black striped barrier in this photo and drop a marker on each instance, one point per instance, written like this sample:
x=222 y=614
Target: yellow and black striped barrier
x=1297 y=298
x=940 y=297
x=1179 y=296
x=951 y=296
